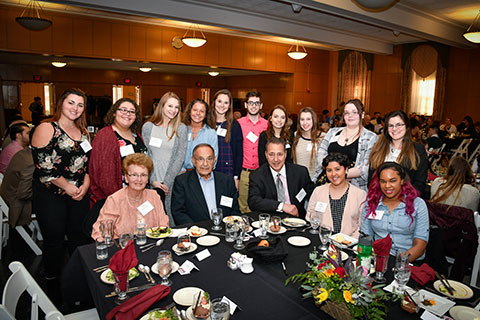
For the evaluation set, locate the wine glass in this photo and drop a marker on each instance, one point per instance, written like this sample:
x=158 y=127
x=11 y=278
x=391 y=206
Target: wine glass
x=240 y=225
x=120 y=286
x=164 y=266
x=264 y=219
x=324 y=234
x=125 y=239
x=402 y=275
x=381 y=263
x=219 y=310
x=217 y=216
x=314 y=222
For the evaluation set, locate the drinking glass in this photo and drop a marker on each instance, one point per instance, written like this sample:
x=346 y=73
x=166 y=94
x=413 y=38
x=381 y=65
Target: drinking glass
x=141 y=234
x=101 y=249
x=106 y=228
x=125 y=239
x=164 y=266
x=264 y=219
x=314 y=222
x=120 y=286
x=183 y=242
x=217 y=216
x=324 y=234
x=402 y=275
x=219 y=310
x=231 y=231
x=381 y=263
x=240 y=234
x=276 y=221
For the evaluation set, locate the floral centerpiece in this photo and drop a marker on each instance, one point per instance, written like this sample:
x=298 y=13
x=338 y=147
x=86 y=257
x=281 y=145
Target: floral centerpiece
x=342 y=291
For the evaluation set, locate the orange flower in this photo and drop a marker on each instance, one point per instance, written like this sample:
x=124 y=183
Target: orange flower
x=347 y=295
x=328 y=273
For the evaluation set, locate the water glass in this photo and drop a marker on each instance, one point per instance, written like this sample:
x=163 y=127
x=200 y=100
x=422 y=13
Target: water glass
x=240 y=225
x=164 y=266
x=264 y=219
x=106 y=228
x=381 y=263
x=141 y=234
x=314 y=222
x=219 y=310
x=217 y=216
x=101 y=249
x=402 y=275
x=125 y=239
x=121 y=286
x=324 y=234
x=231 y=231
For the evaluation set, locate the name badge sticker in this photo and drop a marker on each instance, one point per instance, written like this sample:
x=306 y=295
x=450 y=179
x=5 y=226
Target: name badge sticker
x=309 y=146
x=155 y=142
x=320 y=206
x=252 y=137
x=378 y=215
x=126 y=150
x=189 y=137
x=221 y=131
x=86 y=146
x=145 y=208
x=288 y=146
x=226 y=201
x=301 y=195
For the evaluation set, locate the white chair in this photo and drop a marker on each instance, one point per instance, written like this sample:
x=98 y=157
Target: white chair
x=21 y=281
x=476 y=261
x=20 y=229
x=474 y=155
x=462 y=149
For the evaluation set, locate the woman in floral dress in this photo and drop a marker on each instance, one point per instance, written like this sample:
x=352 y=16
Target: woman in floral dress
x=60 y=182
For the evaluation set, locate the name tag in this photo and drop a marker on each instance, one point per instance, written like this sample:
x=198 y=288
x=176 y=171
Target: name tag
x=203 y=254
x=287 y=146
x=145 y=208
x=320 y=206
x=221 y=131
x=301 y=195
x=126 y=150
x=309 y=146
x=252 y=137
x=189 y=137
x=91 y=129
x=155 y=142
x=86 y=146
x=378 y=215
x=226 y=201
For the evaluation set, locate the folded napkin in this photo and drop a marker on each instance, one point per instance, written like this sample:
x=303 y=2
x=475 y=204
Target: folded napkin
x=423 y=274
x=122 y=261
x=134 y=307
x=382 y=247
x=176 y=232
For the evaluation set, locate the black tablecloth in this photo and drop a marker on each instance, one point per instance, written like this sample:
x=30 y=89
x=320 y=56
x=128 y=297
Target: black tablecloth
x=261 y=294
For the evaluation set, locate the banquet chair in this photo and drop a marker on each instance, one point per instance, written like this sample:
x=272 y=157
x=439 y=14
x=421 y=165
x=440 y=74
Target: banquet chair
x=462 y=149
x=4 y=230
x=21 y=281
x=474 y=155
x=476 y=263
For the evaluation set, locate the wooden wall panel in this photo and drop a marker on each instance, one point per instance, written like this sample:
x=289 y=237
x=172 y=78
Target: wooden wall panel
x=168 y=53
x=237 y=53
x=102 y=35
x=248 y=54
x=137 y=42
x=225 y=51
x=120 y=41
x=62 y=34
x=260 y=55
x=154 y=44
x=3 y=26
x=18 y=38
x=42 y=40
x=82 y=37
x=271 y=56
x=212 y=50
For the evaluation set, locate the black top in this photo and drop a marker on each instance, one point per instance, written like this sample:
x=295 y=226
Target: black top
x=350 y=150
x=262 y=147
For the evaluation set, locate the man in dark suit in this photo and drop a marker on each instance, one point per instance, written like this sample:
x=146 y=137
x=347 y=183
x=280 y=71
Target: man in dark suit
x=196 y=192
x=279 y=186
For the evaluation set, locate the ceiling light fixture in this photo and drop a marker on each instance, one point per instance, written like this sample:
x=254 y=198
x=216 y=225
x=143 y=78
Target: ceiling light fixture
x=194 y=40
x=297 y=54
x=59 y=64
x=473 y=32
x=145 y=69
x=31 y=19
x=375 y=5
x=214 y=73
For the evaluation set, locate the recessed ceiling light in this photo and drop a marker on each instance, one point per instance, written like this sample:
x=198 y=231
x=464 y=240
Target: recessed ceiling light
x=59 y=64
x=145 y=69
x=213 y=73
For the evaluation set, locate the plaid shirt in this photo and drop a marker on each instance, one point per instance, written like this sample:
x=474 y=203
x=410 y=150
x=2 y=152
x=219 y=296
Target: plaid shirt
x=230 y=155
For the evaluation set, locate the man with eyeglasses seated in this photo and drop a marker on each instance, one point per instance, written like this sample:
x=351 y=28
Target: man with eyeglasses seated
x=133 y=204
x=197 y=192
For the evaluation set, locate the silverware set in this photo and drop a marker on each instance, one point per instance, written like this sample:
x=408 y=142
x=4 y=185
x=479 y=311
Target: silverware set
x=101 y=268
x=149 y=246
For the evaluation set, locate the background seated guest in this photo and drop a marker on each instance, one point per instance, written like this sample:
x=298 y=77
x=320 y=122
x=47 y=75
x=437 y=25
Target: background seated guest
x=433 y=140
x=20 y=136
x=338 y=202
x=6 y=136
x=122 y=206
x=456 y=188
x=279 y=186
x=196 y=192
x=393 y=206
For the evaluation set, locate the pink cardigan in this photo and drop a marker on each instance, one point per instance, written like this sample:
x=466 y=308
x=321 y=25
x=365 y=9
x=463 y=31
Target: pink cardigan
x=352 y=213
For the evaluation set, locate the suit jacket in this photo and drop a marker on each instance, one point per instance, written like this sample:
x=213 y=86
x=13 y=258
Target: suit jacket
x=262 y=193
x=188 y=202
x=16 y=188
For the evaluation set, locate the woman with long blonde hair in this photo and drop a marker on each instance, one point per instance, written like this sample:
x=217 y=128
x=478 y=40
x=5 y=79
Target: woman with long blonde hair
x=456 y=188
x=166 y=139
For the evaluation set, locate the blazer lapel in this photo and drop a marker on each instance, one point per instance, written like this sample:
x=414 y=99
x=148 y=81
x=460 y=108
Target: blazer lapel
x=290 y=183
x=198 y=194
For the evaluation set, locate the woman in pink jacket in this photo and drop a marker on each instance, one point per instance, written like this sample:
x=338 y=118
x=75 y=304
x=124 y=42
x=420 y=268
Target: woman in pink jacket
x=338 y=203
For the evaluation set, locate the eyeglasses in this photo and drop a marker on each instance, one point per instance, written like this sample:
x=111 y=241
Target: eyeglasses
x=125 y=111
x=254 y=103
x=354 y=113
x=201 y=159
x=396 y=126
x=136 y=176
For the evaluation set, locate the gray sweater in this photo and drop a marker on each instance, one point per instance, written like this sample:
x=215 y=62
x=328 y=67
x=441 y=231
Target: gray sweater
x=175 y=163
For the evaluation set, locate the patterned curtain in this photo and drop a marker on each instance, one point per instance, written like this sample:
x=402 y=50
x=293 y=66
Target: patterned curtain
x=354 y=79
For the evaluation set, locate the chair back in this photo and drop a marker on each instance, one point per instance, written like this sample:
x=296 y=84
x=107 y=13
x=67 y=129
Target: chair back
x=4 y=314
x=21 y=281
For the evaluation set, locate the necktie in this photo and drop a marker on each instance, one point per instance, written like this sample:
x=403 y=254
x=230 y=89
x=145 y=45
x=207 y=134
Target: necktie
x=280 y=189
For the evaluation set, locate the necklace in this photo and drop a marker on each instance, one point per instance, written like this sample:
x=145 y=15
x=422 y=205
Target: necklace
x=348 y=138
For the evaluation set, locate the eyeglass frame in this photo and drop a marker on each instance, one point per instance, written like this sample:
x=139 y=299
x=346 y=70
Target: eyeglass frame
x=136 y=176
x=396 y=125
x=127 y=111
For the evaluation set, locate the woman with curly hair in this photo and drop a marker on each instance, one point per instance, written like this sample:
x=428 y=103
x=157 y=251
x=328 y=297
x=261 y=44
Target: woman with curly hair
x=277 y=127
x=456 y=188
x=111 y=145
x=394 y=207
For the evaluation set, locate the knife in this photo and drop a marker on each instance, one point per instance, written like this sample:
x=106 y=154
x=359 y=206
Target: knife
x=133 y=289
x=444 y=284
x=218 y=234
x=448 y=283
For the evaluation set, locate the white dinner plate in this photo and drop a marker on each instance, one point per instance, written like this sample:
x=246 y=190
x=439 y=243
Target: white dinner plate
x=151 y=314
x=104 y=279
x=191 y=247
x=231 y=219
x=344 y=255
x=162 y=235
x=208 y=241
x=184 y=296
x=256 y=224
x=294 y=222
x=282 y=230
x=299 y=241
x=464 y=313
x=203 y=232
x=175 y=267
x=461 y=291
x=338 y=236
x=190 y=315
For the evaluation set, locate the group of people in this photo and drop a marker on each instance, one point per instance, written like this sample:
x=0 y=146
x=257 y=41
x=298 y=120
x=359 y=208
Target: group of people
x=178 y=167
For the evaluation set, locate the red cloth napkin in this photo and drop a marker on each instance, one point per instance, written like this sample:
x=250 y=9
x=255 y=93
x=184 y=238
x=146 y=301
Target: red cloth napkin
x=134 y=307
x=122 y=261
x=423 y=274
x=382 y=247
